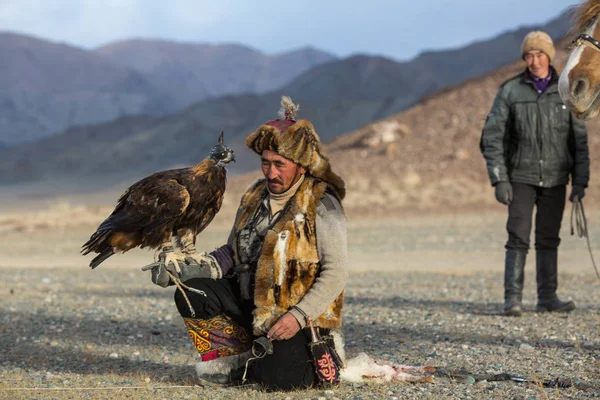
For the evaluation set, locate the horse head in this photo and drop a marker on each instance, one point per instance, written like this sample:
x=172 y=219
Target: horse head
x=579 y=83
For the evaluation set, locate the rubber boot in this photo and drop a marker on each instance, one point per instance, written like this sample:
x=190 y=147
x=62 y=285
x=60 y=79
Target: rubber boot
x=513 y=282
x=547 y=282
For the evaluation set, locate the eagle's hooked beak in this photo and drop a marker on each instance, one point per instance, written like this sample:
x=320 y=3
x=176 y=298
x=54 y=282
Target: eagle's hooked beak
x=230 y=156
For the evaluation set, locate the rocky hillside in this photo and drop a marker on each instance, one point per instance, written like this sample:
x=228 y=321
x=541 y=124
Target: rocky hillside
x=338 y=97
x=428 y=156
x=49 y=87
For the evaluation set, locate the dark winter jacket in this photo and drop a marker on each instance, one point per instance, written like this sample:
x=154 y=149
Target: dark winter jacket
x=533 y=138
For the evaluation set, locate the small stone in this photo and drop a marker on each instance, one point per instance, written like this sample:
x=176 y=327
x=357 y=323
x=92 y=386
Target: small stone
x=470 y=380
x=464 y=346
x=114 y=355
x=525 y=346
x=147 y=380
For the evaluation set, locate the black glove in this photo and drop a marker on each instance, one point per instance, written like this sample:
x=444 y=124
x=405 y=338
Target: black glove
x=224 y=257
x=504 y=192
x=577 y=191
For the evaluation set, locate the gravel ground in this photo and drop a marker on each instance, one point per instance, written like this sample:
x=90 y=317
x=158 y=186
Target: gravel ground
x=423 y=291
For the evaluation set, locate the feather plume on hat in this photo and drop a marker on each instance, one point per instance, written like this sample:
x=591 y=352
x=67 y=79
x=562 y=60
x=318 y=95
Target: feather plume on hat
x=288 y=109
x=297 y=141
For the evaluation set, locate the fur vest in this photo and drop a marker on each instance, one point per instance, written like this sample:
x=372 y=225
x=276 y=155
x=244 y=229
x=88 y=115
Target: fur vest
x=289 y=263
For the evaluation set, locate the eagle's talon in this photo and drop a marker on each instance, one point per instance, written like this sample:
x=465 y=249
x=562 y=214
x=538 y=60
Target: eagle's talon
x=173 y=258
x=200 y=258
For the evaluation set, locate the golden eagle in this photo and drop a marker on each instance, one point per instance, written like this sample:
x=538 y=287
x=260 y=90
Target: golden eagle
x=177 y=202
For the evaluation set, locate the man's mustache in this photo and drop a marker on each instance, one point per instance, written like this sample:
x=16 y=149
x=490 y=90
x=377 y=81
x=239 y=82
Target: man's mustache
x=275 y=181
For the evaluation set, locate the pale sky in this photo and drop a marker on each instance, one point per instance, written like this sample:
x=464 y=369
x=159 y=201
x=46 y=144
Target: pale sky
x=398 y=29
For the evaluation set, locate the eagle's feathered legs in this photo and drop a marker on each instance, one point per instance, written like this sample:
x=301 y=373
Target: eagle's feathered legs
x=187 y=242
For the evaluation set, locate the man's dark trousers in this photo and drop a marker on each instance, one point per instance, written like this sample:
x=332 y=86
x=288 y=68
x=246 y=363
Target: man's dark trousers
x=550 y=205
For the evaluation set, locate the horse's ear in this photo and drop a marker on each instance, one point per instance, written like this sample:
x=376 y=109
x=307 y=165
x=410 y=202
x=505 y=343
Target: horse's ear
x=221 y=138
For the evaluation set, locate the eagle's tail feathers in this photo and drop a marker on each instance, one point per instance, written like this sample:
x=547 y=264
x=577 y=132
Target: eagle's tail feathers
x=101 y=257
x=97 y=241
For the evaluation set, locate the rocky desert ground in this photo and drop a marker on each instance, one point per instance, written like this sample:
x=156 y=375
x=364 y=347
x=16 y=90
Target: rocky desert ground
x=425 y=289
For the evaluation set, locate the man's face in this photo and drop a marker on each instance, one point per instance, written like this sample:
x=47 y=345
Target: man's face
x=537 y=63
x=280 y=172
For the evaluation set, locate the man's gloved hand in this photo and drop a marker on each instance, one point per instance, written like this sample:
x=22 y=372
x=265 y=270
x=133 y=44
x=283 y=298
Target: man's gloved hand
x=214 y=265
x=189 y=269
x=577 y=191
x=504 y=192
x=159 y=272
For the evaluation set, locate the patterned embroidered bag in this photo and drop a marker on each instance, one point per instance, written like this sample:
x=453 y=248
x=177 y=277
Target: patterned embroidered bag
x=326 y=360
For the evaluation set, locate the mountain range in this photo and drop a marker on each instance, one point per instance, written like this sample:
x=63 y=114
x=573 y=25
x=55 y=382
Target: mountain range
x=338 y=96
x=47 y=87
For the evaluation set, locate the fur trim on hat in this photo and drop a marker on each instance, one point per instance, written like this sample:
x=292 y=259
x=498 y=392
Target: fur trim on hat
x=301 y=144
x=538 y=40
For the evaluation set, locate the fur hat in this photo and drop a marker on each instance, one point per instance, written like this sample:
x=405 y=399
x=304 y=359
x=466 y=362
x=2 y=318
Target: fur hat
x=538 y=40
x=296 y=141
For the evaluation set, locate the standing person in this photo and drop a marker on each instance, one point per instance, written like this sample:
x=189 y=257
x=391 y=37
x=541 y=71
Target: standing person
x=288 y=247
x=531 y=144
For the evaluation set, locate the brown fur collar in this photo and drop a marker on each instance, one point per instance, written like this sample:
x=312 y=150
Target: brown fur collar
x=289 y=262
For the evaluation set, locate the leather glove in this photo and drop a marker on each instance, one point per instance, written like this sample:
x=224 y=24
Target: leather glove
x=504 y=192
x=576 y=191
x=189 y=269
x=159 y=272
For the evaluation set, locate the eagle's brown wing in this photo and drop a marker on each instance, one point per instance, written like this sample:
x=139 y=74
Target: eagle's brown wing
x=151 y=208
x=144 y=216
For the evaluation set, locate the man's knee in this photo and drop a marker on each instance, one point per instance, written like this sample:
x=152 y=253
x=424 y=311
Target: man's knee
x=547 y=244
x=517 y=243
x=198 y=299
